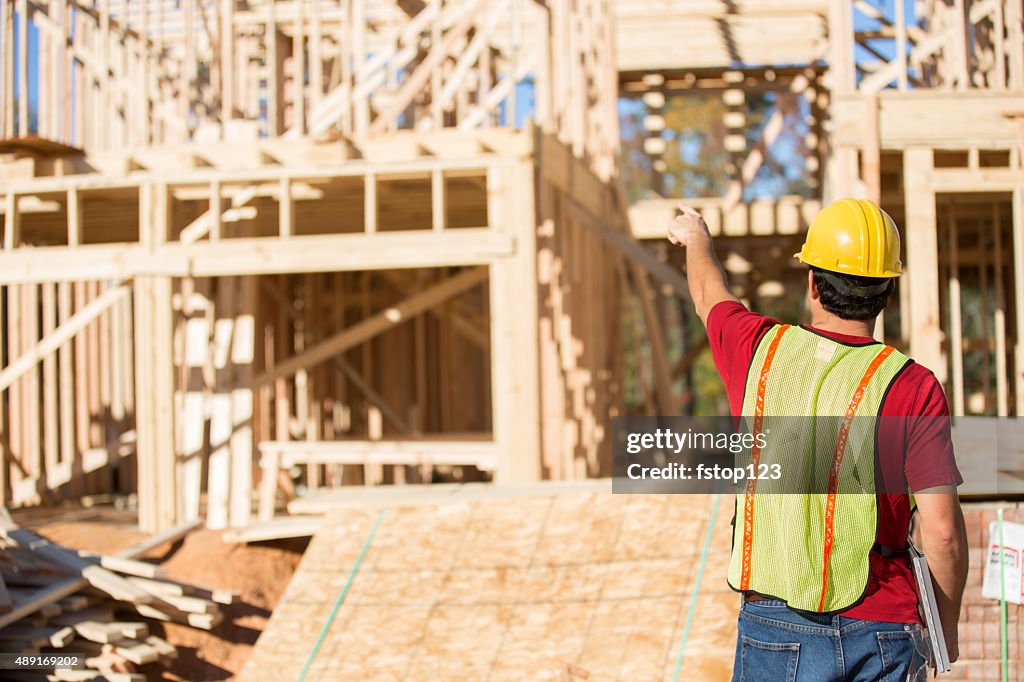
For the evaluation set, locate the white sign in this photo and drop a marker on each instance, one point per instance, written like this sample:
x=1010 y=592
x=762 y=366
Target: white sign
x=1012 y=556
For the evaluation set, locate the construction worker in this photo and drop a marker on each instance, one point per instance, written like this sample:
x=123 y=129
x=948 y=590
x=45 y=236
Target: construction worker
x=822 y=601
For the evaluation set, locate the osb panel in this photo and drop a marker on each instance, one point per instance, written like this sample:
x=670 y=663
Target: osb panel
x=509 y=589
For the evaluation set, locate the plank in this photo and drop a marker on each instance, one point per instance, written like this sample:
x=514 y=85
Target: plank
x=481 y=453
x=922 y=259
x=79 y=321
x=171 y=535
x=6 y=604
x=634 y=251
x=243 y=349
x=94 y=574
x=276 y=529
x=31 y=604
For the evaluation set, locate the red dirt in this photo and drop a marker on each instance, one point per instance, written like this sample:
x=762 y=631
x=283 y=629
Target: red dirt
x=259 y=573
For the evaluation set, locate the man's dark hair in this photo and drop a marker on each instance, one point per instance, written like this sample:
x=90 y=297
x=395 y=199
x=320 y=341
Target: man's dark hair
x=852 y=297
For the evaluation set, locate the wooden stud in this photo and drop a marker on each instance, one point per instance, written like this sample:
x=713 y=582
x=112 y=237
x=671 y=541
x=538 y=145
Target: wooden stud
x=273 y=78
x=299 y=69
x=1018 y=297
x=12 y=227
x=74 y=210
x=227 y=69
x=23 y=80
x=956 y=337
x=370 y=203
x=286 y=217
x=66 y=390
x=215 y=211
x=922 y=255
x=242 y=357
x=513 y=358
x=33 y=453
x=219 y=468
x=1002 y=376
x=50 y=423
x=7 y=69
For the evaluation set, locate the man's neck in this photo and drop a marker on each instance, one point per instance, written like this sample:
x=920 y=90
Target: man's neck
x=830 y=323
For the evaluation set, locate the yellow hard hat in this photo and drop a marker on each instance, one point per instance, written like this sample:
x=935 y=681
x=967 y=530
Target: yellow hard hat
x=853 y=237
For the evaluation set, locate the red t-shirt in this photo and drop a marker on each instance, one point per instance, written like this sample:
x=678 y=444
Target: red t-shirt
x=923 y=448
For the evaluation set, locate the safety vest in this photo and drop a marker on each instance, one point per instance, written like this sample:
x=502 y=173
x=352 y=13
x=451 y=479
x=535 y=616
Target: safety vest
x=811 y=550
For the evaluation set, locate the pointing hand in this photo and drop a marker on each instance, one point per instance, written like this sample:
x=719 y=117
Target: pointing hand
x=687 y=226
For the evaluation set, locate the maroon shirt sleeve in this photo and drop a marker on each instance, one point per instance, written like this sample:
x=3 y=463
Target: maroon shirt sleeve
x=916 y=402
x=733 y=333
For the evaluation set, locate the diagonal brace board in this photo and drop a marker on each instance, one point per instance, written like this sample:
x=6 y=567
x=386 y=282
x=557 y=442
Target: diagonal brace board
x=60 y=336
x=633 y=251
x=346 y=368
x=371 y=327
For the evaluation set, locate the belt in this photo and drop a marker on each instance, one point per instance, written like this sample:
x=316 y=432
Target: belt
x=889 y=552
x=753 y=596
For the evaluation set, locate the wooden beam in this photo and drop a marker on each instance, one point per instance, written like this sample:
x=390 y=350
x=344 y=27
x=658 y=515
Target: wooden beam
x=514 y=362
x=260 y=255
x=285 y=213
x=437 y=199
x=626 y=245
x=12 y=227
x=956 y=333
x=1018 y=297
x=341 y=363
x=371 y=327
x=871 y=160
x=74 y=211
x=443 y=451
x=412 y=85
x=1002 y=376
x=171 y=535
x=666 y=403
x=23 y=80
x=370 y=203
x=922 y=261
x=275 y=529
x=28 y=359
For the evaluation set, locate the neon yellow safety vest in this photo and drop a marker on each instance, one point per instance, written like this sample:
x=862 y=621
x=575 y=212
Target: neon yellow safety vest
x=811 y=550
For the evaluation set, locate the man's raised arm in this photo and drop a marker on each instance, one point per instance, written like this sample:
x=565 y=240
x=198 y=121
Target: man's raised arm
x=704 y=274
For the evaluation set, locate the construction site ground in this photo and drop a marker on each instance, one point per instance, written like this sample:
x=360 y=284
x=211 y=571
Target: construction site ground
x=258 y=572
x=474 y=586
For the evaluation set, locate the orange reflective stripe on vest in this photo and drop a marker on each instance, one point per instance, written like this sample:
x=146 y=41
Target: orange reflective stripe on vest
x=748 y=507
x=837 y=461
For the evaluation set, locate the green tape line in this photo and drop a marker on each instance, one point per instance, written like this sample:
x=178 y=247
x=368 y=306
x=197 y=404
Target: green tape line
x=1002 y=601
x=696 y=586
x=341 y=597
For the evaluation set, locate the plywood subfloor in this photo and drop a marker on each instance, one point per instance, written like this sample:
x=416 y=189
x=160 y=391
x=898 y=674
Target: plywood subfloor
x=510 y=589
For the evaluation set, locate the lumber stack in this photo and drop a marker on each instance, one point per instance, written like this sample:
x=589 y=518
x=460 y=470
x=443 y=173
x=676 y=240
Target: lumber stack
x=54 y=599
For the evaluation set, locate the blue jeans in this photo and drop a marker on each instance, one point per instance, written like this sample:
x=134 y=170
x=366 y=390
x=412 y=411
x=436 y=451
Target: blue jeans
x=776 y=644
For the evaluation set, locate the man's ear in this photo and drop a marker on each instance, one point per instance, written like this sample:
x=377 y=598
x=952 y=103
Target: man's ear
x=811 y=288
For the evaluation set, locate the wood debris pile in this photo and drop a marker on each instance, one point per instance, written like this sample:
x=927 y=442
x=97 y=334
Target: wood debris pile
x=55 y=600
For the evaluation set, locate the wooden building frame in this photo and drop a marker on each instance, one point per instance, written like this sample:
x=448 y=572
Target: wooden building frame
x=315 y=246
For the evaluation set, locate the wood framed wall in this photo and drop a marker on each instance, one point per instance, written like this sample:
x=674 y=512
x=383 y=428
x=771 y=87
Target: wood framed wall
x=375 y=321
